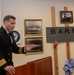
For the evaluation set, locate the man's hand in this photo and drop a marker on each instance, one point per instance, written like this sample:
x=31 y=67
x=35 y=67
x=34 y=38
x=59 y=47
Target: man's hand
x=10 y=69
x=29 y=46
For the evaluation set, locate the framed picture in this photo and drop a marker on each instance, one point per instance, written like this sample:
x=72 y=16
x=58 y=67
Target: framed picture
x=33 y=27
x=16 y=36
x=66 y=16
x=38 y=41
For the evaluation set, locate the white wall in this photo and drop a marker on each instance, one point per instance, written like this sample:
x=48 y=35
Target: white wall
x=40 y=9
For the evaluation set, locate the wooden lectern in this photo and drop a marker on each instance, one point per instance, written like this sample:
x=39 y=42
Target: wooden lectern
x=38 y=67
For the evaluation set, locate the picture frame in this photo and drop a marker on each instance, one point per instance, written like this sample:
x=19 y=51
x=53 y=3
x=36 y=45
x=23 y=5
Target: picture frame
x=33 y=27
x=66 y=16
x=38 y=41
x=16 y=35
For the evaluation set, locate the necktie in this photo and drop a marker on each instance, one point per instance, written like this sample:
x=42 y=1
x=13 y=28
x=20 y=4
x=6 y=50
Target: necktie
x=10 y=38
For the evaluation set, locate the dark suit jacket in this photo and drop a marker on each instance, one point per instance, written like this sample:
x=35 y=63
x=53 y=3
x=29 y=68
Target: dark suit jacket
x=6 y=49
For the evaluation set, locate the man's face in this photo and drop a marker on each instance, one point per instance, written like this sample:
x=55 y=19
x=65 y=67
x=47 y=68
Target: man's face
x=9 y=25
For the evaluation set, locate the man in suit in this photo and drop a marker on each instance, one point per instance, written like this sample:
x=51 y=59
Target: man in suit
x=8 y=45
